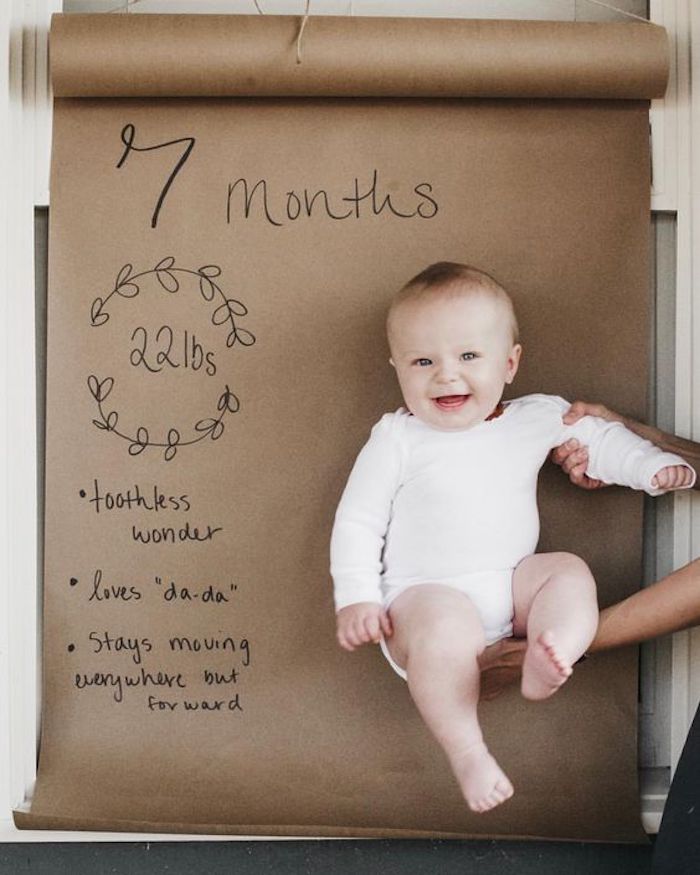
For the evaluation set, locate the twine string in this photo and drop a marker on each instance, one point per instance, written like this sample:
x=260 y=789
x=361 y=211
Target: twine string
x=124 y=6
x=301 y=29
x=616 y=9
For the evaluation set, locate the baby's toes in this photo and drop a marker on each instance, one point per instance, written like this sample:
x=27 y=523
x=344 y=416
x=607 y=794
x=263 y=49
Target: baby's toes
x=505 y=789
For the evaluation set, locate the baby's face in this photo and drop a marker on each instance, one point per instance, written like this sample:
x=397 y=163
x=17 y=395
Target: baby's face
x=453 y=356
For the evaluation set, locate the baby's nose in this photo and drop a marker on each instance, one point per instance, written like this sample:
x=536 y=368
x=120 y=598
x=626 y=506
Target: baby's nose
x=448 y=374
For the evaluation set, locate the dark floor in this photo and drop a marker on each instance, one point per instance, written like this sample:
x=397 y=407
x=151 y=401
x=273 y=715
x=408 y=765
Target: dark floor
x=327 y=857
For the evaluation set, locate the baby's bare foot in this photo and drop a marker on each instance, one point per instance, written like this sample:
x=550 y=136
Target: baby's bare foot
x=544 y=669
x=483 y=783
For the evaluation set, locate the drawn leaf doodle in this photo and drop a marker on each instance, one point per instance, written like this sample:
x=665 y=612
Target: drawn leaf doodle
x=123 y=275
x=205 y=424
x=242 y=335
x=167 y=280
x=225 y=312
x=229 y=402
x=221 y=314
x=141 y=442
x=203 y=428
x=247 y=338
x=128 y=290
x=207 y=288
x=100 y=391
x=97 y=317
x=236 y=307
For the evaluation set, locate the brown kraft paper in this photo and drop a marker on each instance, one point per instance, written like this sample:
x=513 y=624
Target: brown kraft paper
x=219 y=273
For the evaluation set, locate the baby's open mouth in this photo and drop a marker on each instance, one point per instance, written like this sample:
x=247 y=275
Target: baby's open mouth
x=451 y=402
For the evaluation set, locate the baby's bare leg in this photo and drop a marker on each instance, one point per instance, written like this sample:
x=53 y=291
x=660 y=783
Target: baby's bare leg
x=437 y=638
x=555 y=603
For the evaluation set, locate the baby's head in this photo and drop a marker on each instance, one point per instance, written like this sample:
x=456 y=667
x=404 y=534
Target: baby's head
x=453 y=338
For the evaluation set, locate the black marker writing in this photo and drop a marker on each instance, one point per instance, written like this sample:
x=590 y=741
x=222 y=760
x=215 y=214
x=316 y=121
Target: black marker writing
x=184 y=643
x=368 y=199
x=188 y=595
x=215 y=705
x=171 y=535
x=118 y=681
x=101 y=593
x=134 y=498
x=118 y=643
x=155 y=353
x=128 y=135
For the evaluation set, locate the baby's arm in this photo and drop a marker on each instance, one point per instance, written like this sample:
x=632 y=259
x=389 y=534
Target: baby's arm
x=617 y=455
x=357 y=541
x=573 y=457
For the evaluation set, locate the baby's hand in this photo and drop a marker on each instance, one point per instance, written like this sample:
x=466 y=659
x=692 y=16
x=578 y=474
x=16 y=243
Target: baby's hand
x=361 y=623
x=673 y=477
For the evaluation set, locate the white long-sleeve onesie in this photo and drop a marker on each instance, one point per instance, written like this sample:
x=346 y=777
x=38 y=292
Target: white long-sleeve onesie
x=424 y=505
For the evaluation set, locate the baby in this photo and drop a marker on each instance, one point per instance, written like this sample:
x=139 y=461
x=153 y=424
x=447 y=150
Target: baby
x=433 y=542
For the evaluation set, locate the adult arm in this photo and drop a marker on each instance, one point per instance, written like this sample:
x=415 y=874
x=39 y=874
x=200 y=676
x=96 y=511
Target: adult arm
x=670 y=605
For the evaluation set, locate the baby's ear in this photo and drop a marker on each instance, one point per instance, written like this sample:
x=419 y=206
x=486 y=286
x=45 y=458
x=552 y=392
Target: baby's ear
x=513 y=362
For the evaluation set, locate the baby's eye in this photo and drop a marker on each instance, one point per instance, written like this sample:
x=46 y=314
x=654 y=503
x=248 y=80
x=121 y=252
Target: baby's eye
x=423 y=363
x=468 y=356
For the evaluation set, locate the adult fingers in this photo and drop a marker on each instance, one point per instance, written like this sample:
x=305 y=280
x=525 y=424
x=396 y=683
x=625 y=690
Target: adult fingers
x=561 y=453
x=576 y=462
x=577 y=411
x=584 y=408
x=591 y=483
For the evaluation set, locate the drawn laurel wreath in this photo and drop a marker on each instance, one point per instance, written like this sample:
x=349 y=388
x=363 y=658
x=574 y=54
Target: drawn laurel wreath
x=229 y=308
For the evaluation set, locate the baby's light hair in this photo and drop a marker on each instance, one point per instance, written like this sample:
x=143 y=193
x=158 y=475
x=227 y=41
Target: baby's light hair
x=451 y=279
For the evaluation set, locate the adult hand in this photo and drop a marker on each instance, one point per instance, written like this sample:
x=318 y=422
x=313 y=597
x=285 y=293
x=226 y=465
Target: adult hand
x=573 y=459
x=571 y=456
x=579 y=409
x=501 y=665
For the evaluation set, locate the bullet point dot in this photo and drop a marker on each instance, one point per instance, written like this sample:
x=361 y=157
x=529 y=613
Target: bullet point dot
x=83 y=493
x=71 y=648
x=73 y=581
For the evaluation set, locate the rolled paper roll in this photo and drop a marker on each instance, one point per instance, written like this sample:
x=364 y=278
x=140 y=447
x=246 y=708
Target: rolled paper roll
x=255 y=56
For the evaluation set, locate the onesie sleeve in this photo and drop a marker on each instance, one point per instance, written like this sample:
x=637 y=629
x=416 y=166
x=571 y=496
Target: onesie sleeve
x=617 y=455
x=363 y=515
